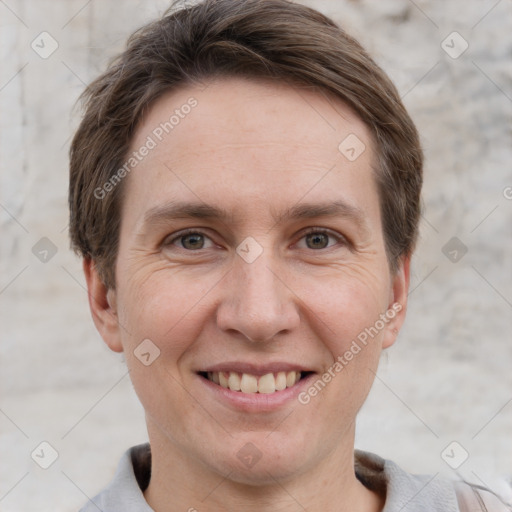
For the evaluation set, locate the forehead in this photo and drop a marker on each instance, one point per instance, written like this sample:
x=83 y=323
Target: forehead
x=250 y=144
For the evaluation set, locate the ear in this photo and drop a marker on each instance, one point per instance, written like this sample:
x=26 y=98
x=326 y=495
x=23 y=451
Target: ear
x=103 y=306
x=397 y=301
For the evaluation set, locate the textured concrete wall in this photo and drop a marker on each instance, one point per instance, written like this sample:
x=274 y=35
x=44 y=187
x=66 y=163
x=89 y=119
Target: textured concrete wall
x=448 y=377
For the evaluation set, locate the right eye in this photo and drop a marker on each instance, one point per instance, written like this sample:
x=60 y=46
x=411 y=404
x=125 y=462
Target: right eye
x=190 y=240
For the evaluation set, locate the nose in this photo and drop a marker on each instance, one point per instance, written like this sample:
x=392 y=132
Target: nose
x=257 y=302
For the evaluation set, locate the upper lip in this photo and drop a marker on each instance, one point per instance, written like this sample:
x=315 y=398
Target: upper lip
x=255 y=369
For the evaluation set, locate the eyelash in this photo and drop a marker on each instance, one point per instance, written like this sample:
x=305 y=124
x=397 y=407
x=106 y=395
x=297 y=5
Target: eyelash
x=339 y=238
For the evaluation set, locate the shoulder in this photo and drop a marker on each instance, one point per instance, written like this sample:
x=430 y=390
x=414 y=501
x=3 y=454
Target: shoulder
x=125 y=492
x=404 y=491
x=407 y=492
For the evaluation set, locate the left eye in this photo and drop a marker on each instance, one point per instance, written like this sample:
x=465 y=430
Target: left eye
x=319 y=239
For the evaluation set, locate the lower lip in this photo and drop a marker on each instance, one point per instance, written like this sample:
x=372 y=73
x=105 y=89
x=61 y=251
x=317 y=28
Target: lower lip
x=256 y=402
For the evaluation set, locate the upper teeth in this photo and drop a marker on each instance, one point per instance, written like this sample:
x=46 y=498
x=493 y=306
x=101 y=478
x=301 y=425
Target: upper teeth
x=247 y=383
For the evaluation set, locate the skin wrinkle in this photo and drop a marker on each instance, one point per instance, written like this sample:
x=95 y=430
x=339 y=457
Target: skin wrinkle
x=171 y=211
x=146 y=236
x=290 y=304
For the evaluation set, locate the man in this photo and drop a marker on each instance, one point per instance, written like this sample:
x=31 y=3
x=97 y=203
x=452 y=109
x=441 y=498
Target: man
x=245 y=190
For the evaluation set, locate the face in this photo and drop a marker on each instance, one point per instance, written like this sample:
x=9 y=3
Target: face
x=252 y=256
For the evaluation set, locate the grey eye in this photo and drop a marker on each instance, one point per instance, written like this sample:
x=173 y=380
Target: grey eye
x=317 y=240
x=192 y=241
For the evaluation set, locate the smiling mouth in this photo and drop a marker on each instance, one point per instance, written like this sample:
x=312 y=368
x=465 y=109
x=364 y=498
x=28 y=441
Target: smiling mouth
x=248 y=383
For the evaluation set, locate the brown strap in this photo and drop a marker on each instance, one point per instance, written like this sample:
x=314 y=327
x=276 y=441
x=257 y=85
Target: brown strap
x=476 y=498
x=469 y=498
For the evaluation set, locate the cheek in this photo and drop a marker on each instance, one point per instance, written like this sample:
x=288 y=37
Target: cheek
x=347 y=304
x=164 y=307
x=351 y=307
x=169 y=312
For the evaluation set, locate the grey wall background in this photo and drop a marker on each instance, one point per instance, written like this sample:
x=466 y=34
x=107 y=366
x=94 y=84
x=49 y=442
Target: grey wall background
x=448 y=378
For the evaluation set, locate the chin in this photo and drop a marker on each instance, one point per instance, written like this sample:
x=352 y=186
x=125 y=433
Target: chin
x=264 y=473
x=262 y=458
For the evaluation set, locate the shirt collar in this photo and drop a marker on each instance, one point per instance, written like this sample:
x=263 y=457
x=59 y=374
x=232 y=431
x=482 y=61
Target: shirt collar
x=404 y=492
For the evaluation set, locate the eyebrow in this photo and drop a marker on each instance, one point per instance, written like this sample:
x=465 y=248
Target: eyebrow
x=196 y=210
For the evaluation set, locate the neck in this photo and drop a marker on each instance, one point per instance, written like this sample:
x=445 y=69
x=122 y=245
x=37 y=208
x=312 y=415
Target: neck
x=179 y=483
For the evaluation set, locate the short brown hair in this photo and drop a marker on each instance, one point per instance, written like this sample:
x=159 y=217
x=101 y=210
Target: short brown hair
x=272 y=39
